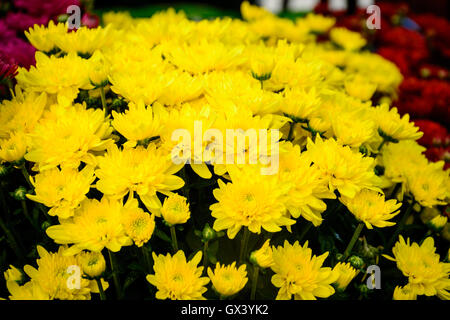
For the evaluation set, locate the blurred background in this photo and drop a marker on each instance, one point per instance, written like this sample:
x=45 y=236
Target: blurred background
x=231 y=7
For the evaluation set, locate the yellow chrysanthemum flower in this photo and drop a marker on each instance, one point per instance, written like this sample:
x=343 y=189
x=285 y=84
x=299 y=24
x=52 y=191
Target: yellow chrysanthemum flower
x=94 y=226
x=371 y=208
x=29 y=291
x=429 y=184
x=404 y=293
x=346 y=274
x=300 y=274
x=177 y=279
x=84 y=40
x=62 y=190
x=228 y=280
x=308 y=188
x=68 y=136
x=139 y=225
x=139 y=123
x=204 y=56
x=359 y=87
x=144 y=170
x=392 y=126
x=14 y=147
x=43 y=37
x=22 y=113
x=346 y=39
x=251 y=12
x=53 y=276
x=426 y=274
x=345 y=170
x=175 y=209
x=62 y=77
x=300 y=104
x=250 y=200
x=318 y=23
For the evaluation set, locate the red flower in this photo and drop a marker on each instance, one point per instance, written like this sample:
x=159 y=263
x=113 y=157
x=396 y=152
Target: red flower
x=8 y=69
x=434 y=134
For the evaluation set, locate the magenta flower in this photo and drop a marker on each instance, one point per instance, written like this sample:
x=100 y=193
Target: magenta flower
x=8 y=69
x=90 y=20
x=19 y=51
x=23 y=21
x=5 y=32
x=49 y=8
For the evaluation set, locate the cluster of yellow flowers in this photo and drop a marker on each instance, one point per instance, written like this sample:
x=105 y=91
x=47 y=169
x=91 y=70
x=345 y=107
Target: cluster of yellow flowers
x=157 y=75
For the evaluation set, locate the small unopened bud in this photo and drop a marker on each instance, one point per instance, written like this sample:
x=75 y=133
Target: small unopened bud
x=356 y=262
x=437 y=223
x=208 y=233
x=45 y=225
x=19 y=193
x=92 y=263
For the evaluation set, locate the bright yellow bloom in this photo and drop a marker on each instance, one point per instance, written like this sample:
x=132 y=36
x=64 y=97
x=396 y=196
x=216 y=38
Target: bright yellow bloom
x=393 y=126
x=360 y=88
x=13 y=148
x=344 y=169
x=251 y=12
x=346 y=274
x=175 y=209
x=68 y=136
x=228 y=280
x=22 y=113
x=308 y=188
x=404 y=293
x=250 y=200
x=426 y=274
x=119 y=20
x=203 y=56
x=429 y=184
x=92 y=263
x=177 y=279
x=13 y=274
x=139 y=123
x=346 y=39
x=299 y=273
x=60 y=76
x=371 y=208
x=300 y=104
x=84 y=40
x=62 y=190
x=144 y=170
x=29 y=291
x=263 y=256
x=43 y=37
x=139 y=225
x=183 y=88
x=53 y=276
x=94 y=226
x=317 y=22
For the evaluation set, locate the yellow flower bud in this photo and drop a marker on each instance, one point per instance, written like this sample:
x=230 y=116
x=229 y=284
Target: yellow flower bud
x=345 y=273
x=263 y=256
x=92 y=263
x=13 y=274
x=175 y=209
x=437 y=223
x=228 y=280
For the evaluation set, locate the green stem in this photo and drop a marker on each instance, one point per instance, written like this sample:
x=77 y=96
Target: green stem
x=27 y=215
x=244 y=243
x=382 y=144
x=173 y=234
x=305 y=230
x=205 y=255
x=401 y=224
x=115 y=275
x=146 y=257
x=262 y=84
x=103 y=97
x=291 y=131
x=353 y=240
x=26 y=176
x=11 y=240
x=254 y=282
x=100 y=289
